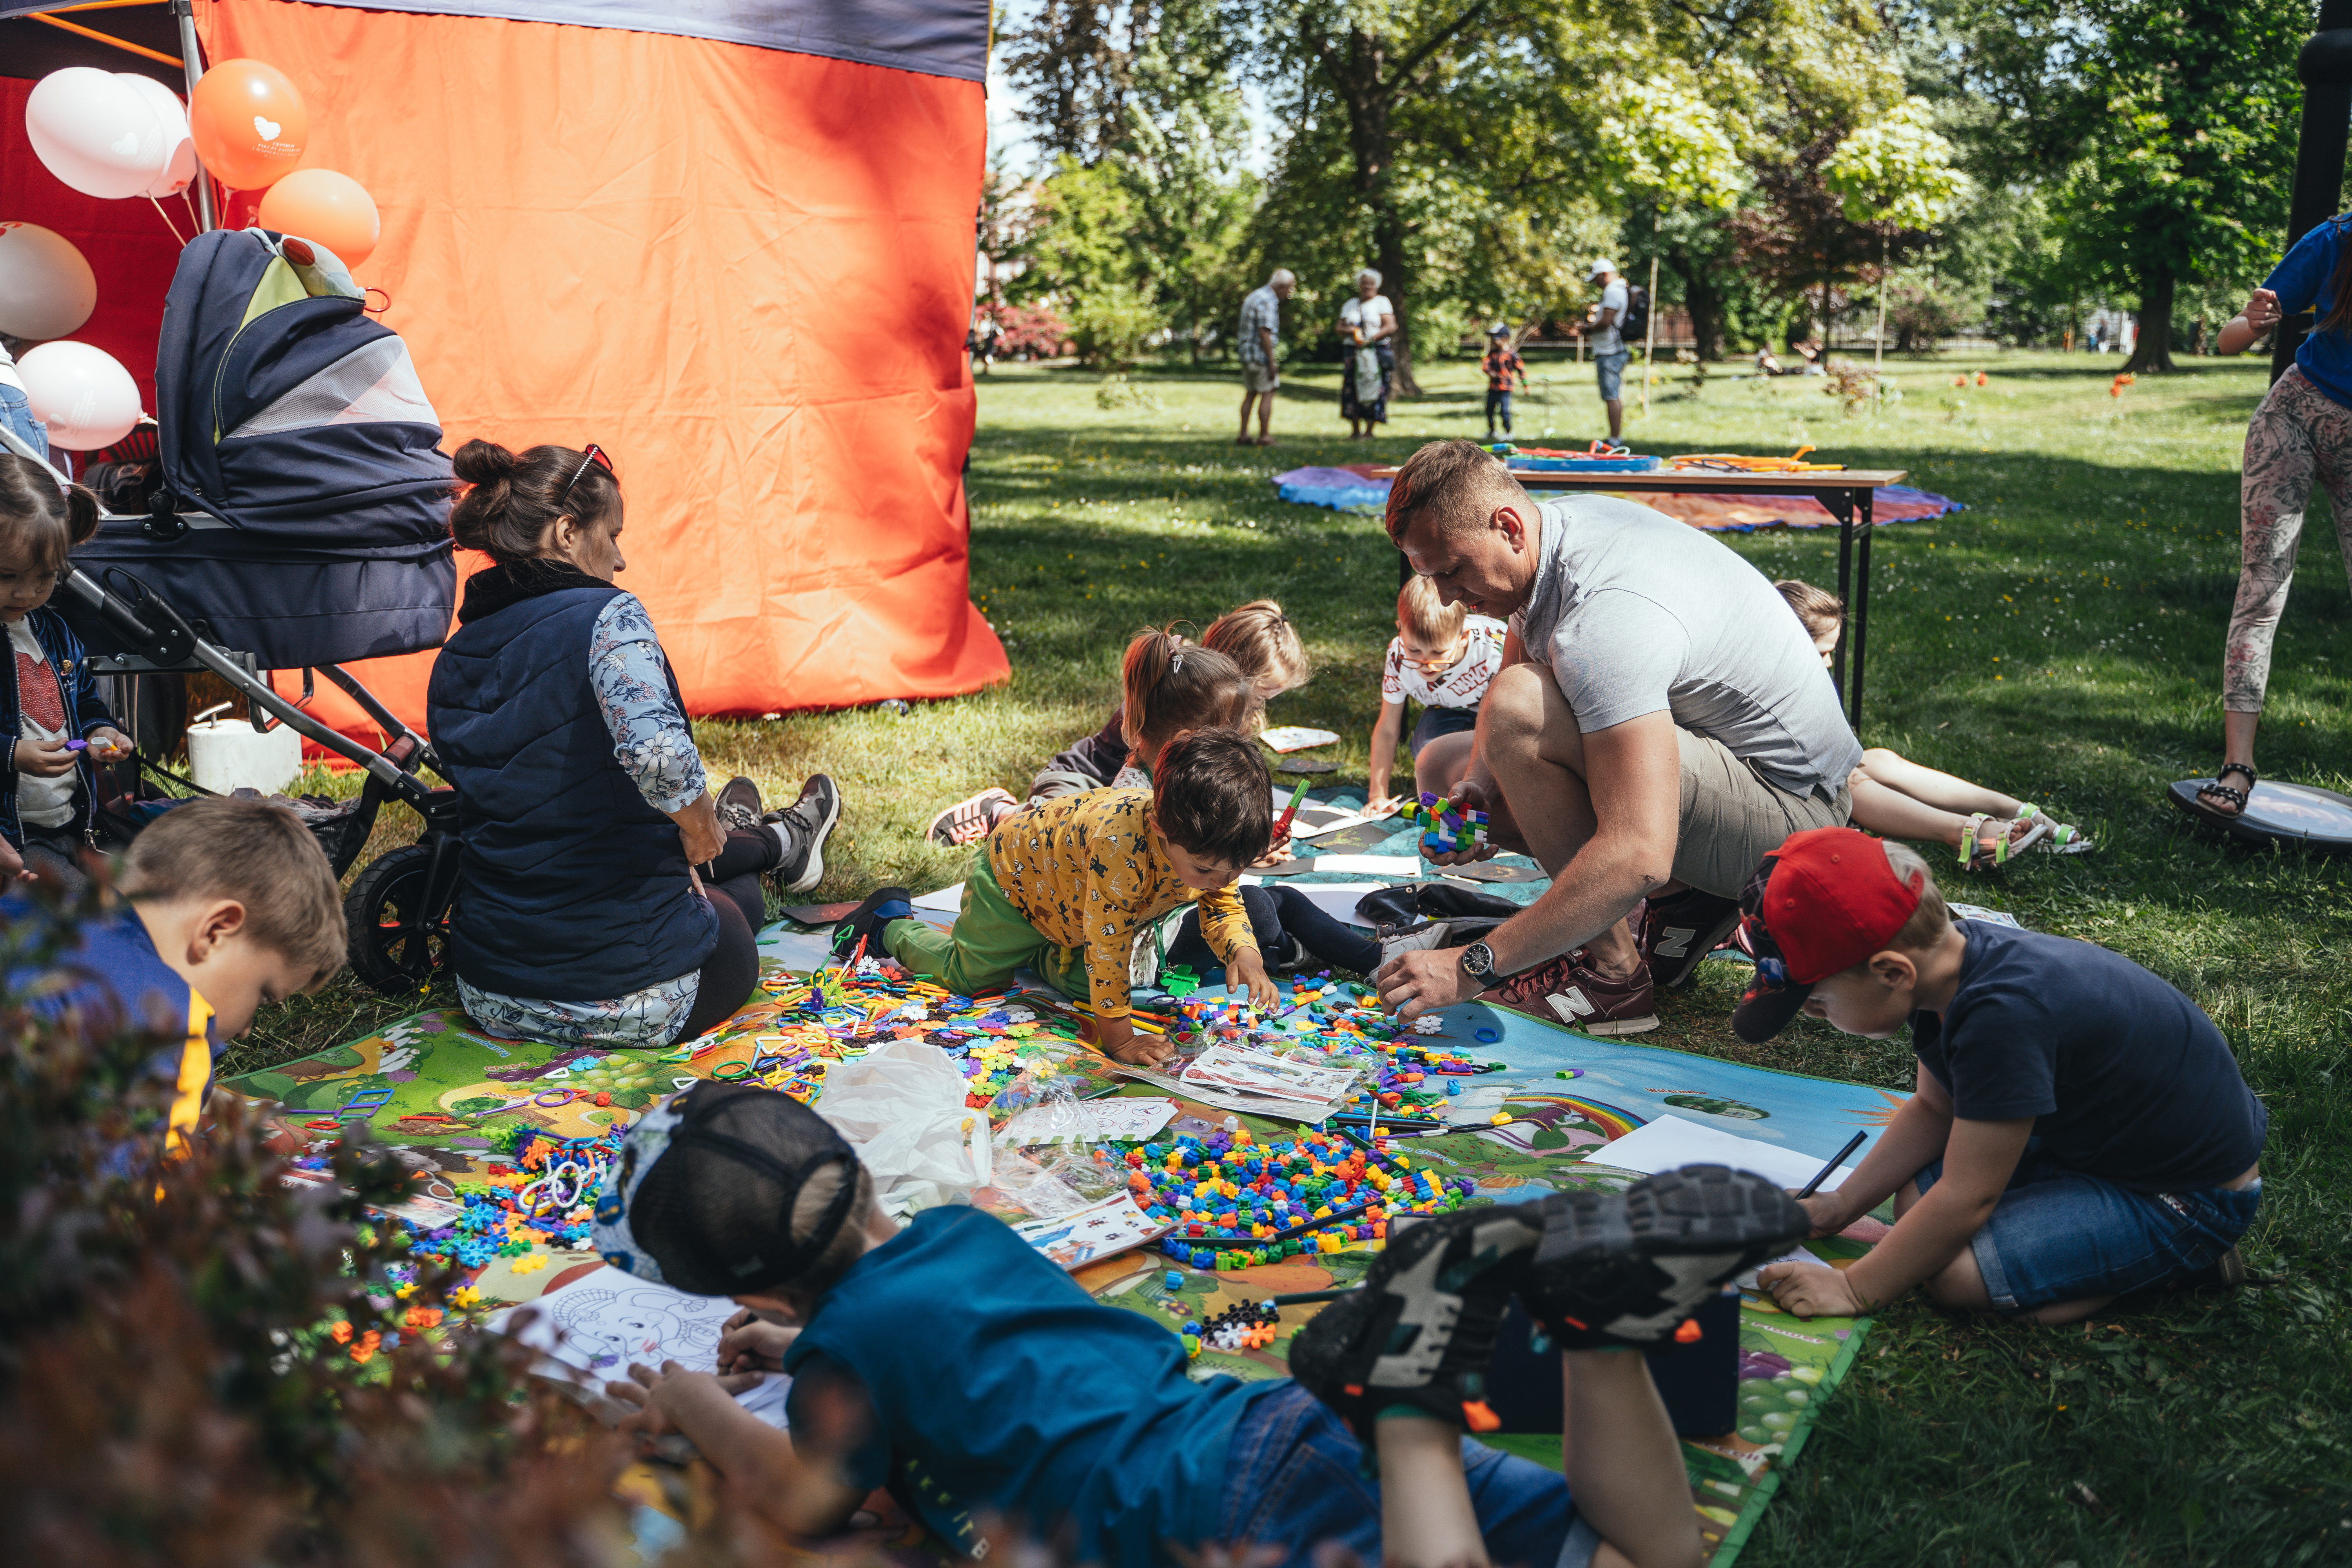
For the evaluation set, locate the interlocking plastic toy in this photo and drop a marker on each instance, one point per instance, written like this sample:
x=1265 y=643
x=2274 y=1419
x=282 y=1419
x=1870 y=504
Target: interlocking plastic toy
x=1445 y=828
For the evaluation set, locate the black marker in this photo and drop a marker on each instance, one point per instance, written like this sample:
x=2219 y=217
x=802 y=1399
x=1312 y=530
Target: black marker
x=1835 y=1160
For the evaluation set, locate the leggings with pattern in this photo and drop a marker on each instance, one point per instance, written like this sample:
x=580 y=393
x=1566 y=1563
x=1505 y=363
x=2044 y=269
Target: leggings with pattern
x=2299 y=433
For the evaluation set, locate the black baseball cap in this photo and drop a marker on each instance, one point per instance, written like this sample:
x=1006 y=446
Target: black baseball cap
x=702 y=1198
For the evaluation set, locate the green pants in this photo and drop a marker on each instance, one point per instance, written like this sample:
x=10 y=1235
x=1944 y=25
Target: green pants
x=989 y=940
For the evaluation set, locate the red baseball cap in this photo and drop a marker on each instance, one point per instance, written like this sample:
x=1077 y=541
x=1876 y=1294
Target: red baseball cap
x=1823 y=902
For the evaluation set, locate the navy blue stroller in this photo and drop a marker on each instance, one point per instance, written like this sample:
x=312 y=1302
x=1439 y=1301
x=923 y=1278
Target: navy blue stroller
x=299 y=520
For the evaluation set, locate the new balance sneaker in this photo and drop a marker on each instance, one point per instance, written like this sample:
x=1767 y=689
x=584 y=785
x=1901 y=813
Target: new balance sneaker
x=1422 y=1331
x=803 y=827
x=865 y=923
x=1626 y=1269
x=1676 y=933
x=1568 y=990
x=739 y=806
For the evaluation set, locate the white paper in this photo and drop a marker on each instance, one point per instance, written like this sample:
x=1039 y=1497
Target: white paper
x=1338 y=901
x=1255 y=1072
x=1112 y=1226
x=1748 y=1281
x=1671 y=1141
x=1295 y=738
x=949 y=898
x=1367 y=864
x=1119 y=1118
x=595 y=1328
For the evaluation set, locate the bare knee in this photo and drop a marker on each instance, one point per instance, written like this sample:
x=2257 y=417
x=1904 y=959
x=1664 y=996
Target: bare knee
x=1877 y=757
x=1523 y=710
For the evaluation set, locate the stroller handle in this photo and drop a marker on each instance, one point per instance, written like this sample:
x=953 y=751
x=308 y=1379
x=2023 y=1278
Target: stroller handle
x=170 y=640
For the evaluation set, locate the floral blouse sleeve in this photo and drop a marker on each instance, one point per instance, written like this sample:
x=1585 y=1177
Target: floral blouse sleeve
x=650 y=737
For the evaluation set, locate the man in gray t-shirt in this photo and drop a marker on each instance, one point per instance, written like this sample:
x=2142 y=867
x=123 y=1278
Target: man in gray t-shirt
x=1661 y=723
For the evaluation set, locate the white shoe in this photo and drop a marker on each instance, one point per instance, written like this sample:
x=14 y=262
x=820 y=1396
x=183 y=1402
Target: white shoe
x=1413 y=940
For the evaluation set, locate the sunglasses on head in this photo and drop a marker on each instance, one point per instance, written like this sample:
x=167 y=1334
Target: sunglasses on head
x=595 y=455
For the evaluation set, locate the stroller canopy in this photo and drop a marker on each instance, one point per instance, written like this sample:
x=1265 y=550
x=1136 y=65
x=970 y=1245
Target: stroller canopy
x=294 y=433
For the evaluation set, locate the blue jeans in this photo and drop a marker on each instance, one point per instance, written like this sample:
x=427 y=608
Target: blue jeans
x=1436 y=721
x=1276 y=912
x=2059 y=1236
x=1297 y=1480
x=1612 y=371
x=1499 y=401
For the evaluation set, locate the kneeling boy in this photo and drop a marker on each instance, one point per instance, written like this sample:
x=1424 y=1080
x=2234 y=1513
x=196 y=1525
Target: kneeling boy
x=959 y=1368
x=2080 y=1128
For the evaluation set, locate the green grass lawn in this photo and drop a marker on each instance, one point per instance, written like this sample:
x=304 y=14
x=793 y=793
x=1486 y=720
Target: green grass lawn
x=2061 y=639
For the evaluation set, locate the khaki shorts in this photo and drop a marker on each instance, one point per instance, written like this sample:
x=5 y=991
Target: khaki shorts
x=1732 y=816
x=1256 y=377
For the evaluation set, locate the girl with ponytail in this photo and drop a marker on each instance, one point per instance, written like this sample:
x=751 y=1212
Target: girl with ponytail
x=54 y=729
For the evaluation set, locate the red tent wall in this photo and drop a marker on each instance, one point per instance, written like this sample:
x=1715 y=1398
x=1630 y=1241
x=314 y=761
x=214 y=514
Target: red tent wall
x=744 y=272
x=129 y=243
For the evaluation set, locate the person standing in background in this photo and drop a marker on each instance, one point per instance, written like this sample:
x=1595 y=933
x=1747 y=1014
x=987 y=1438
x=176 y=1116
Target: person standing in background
x=1260 y=342
x=1609 y=351
x=1366 y=324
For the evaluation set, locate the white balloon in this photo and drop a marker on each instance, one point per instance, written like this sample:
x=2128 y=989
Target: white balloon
x=180 y=164
x=82 y=394
x=47 y=286
x=96 y=133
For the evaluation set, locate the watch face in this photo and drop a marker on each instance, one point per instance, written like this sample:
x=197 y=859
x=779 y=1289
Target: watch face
x=1478 y=958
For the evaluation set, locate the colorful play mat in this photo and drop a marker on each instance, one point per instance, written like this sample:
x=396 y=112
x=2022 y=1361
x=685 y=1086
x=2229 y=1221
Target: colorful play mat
x=1352 y=489
x=1539 y=1118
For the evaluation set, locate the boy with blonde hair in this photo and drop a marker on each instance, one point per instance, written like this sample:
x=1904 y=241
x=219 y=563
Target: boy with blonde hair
x=231 y=903
x=1443 y=657
x=2080 y=1129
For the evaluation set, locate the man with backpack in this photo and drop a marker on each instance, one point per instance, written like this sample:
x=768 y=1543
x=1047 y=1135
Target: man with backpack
x=1611 y=326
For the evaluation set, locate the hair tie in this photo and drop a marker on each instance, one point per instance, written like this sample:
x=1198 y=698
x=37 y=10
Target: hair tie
x=1176 y=665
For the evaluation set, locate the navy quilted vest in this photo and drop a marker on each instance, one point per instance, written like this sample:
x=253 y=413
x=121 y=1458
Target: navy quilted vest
x=572 y=888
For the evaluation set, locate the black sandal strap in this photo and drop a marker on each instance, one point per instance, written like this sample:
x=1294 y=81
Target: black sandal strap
x=2246 y=768
x=2236 y=797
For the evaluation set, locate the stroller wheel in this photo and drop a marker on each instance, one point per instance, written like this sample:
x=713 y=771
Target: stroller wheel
x=397 y=945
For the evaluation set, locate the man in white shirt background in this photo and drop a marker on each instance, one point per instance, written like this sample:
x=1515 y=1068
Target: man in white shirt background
x=1610 y=352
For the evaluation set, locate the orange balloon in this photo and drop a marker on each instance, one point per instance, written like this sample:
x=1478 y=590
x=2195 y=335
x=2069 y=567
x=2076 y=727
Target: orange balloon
x=319 y=204
x=249 y=123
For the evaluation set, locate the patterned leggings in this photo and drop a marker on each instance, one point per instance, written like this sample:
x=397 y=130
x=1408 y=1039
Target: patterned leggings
x=2298 y=434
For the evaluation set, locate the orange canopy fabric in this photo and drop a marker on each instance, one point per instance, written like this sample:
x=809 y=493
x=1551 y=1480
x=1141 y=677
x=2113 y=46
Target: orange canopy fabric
x=745 y=273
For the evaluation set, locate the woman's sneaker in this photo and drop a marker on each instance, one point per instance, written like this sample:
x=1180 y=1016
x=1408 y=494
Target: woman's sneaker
x=1422 y=1331
x=802 y=827
x=865 y=923
x=739 y=806
x=1626 y=1269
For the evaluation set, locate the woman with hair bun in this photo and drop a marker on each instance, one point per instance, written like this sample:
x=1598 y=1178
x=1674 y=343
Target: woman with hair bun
x=590 y=841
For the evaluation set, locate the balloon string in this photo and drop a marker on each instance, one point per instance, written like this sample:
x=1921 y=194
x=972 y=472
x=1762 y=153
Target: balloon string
x=167 y=219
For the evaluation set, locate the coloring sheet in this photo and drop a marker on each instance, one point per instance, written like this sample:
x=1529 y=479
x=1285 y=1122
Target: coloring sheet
x=1255 y=1072
x=1295 y=738
x=1090 y=1121
x=1073 y=1240
x=1673 y=1140
x=595 y=1328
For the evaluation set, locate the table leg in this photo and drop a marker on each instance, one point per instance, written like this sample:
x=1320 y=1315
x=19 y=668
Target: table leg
x=1840 y=503
x=1861 y=523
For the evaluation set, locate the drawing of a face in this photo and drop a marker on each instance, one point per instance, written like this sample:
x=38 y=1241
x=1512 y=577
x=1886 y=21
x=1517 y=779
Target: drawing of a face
x=612 y=1329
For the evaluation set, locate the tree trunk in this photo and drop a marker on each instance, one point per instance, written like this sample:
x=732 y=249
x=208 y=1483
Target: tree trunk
x=2152 y=352
x=1703 y=299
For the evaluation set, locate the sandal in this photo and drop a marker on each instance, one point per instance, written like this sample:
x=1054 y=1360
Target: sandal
x=968 y=821
x=1980 y=851
x=2237 y=797
x=2060 y=838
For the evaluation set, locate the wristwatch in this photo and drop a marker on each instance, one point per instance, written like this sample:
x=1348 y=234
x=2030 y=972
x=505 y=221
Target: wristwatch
x=1478 y=963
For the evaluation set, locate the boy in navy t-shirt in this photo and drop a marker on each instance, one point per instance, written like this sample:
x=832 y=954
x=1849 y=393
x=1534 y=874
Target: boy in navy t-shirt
x=960 y=1369
x=2080 y=1129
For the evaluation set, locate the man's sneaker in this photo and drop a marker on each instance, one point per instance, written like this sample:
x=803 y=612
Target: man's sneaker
x=1626 y=1269
x=1676 y=933
x=1568 y=990
x=804 y=825
x=1422 y=1331
x=865 y=923
x=1413 y=940
x=739 y=806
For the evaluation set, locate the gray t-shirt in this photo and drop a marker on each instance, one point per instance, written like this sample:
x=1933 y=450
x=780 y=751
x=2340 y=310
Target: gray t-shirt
x=1633 y=612
x=1608 y=340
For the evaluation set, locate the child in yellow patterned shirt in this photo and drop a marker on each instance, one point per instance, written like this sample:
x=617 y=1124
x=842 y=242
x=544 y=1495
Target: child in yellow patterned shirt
x=1064 y=887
